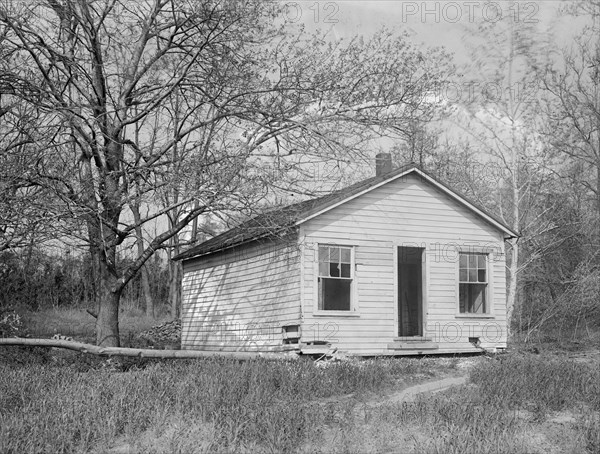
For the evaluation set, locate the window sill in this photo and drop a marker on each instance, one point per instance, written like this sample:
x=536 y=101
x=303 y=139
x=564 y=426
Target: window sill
x=336 y=314
x=469 y=316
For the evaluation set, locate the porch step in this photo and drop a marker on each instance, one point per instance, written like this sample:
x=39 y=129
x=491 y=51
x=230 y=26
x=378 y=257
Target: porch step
x=413 y=345
x=316 y=348
x=412 y=339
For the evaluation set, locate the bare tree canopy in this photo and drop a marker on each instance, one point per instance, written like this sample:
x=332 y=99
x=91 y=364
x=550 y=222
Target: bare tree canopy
x=124 y=90
x=573 y=109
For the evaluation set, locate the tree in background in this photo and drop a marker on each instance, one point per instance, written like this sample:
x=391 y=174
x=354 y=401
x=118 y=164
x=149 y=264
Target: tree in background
x=573 y=107
x=106 y=75
x=500 y=117
x=568 y=255
x=535 y=138
x=24 y=218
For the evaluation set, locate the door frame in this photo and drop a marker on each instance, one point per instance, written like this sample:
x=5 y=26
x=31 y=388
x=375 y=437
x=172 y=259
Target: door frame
x=424 y=287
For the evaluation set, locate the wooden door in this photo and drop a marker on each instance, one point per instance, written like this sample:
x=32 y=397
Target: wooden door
x=410 y=292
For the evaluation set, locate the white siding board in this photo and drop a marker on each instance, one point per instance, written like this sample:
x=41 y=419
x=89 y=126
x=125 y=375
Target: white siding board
x=273 y=290
x=412 y=213
x=240 y=299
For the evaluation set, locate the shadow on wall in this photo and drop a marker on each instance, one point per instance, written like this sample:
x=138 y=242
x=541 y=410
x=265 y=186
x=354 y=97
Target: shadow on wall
x=238 y=306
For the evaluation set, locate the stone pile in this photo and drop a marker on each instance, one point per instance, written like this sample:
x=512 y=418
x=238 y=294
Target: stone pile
x=166 y=333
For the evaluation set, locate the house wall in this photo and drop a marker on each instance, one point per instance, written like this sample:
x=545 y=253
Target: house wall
x=404 y=212
x=239 y=300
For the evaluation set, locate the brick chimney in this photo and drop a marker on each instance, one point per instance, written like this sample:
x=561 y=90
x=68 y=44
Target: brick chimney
x=383 y=164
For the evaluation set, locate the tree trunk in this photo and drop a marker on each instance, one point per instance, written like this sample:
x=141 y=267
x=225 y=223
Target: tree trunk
x=95 y=284
x=511 y=297
x=598 y=182
x=175 y=274
x=147 y=293
x=107 y=322
x=284 y=353
x=139 y=241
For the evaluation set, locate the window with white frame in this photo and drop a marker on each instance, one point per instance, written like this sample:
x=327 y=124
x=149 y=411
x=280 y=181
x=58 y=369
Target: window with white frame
x=336 y=272
x=473 y=283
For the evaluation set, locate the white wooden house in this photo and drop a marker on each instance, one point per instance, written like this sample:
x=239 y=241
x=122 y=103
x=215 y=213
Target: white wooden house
x=398 y=264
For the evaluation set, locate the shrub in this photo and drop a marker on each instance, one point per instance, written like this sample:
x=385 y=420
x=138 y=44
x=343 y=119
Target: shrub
x=11 y=324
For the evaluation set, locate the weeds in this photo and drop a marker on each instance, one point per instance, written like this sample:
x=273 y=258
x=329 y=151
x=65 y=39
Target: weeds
x=219 y=405
x=491 y=417
x=543 y=383
x=249 y=405
x=77 y=323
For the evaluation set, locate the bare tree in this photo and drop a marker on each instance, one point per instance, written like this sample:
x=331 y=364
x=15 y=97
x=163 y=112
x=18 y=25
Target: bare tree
x=574 y=105
x=248 y=84
x=502 y=115
x=24 y=219
x=567 y=256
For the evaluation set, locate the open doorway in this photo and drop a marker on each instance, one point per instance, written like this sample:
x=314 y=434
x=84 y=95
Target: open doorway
x=410 y=291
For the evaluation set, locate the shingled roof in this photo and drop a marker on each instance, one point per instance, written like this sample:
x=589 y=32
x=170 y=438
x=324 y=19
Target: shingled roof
x=275 y=222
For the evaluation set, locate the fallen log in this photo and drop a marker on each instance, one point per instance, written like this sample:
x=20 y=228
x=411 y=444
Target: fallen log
x=144 y=352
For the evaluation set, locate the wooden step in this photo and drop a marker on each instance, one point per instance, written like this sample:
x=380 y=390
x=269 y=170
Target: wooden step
x=316 y=348
x=412 y=339
x=413 y=345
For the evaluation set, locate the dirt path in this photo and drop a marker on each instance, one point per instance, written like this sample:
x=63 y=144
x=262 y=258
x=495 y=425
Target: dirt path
x=411 y=393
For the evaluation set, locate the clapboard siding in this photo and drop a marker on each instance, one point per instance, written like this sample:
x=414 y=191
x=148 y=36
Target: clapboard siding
x=405 y=212
x=239 y=299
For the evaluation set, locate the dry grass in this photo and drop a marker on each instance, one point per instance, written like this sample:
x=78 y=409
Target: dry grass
x=242 y=406
x=515 y=403
x=521 y=404
x=80 y=325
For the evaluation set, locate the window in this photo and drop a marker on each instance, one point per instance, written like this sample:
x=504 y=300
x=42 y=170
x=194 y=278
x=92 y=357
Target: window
x=473 y=283
x=335 y=278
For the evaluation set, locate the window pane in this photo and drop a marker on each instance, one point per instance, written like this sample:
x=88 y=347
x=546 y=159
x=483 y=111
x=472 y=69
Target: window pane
x=334 y=294
x=472 y=261
x=323 y=269
x=477 y=300
x=481 y=276
x=463 y=275
x=463 y=261
x=472 y=275
x=462 y=297
x=320 y=282
x=346 y=256
x=472 y=298
x=334 y=270
x=345 y=270
x=334 y=282
x=481 y=261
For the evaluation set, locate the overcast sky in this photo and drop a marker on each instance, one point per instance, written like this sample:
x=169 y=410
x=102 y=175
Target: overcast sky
x=442 y=23
x=433 y=23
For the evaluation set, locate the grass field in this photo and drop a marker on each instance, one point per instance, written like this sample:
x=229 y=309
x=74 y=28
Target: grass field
x=514 y=403
x=77 y=323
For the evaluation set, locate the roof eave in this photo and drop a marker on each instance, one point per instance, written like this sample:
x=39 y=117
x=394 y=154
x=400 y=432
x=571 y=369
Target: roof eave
x=510 y=233
x=188 y=255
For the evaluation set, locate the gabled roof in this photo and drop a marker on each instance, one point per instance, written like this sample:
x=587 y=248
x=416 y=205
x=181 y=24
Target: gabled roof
x=275 y=222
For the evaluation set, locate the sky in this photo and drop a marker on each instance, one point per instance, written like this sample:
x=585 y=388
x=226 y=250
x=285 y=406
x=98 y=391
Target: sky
x=432 y=23
x=448 y=24
x=444 y=23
